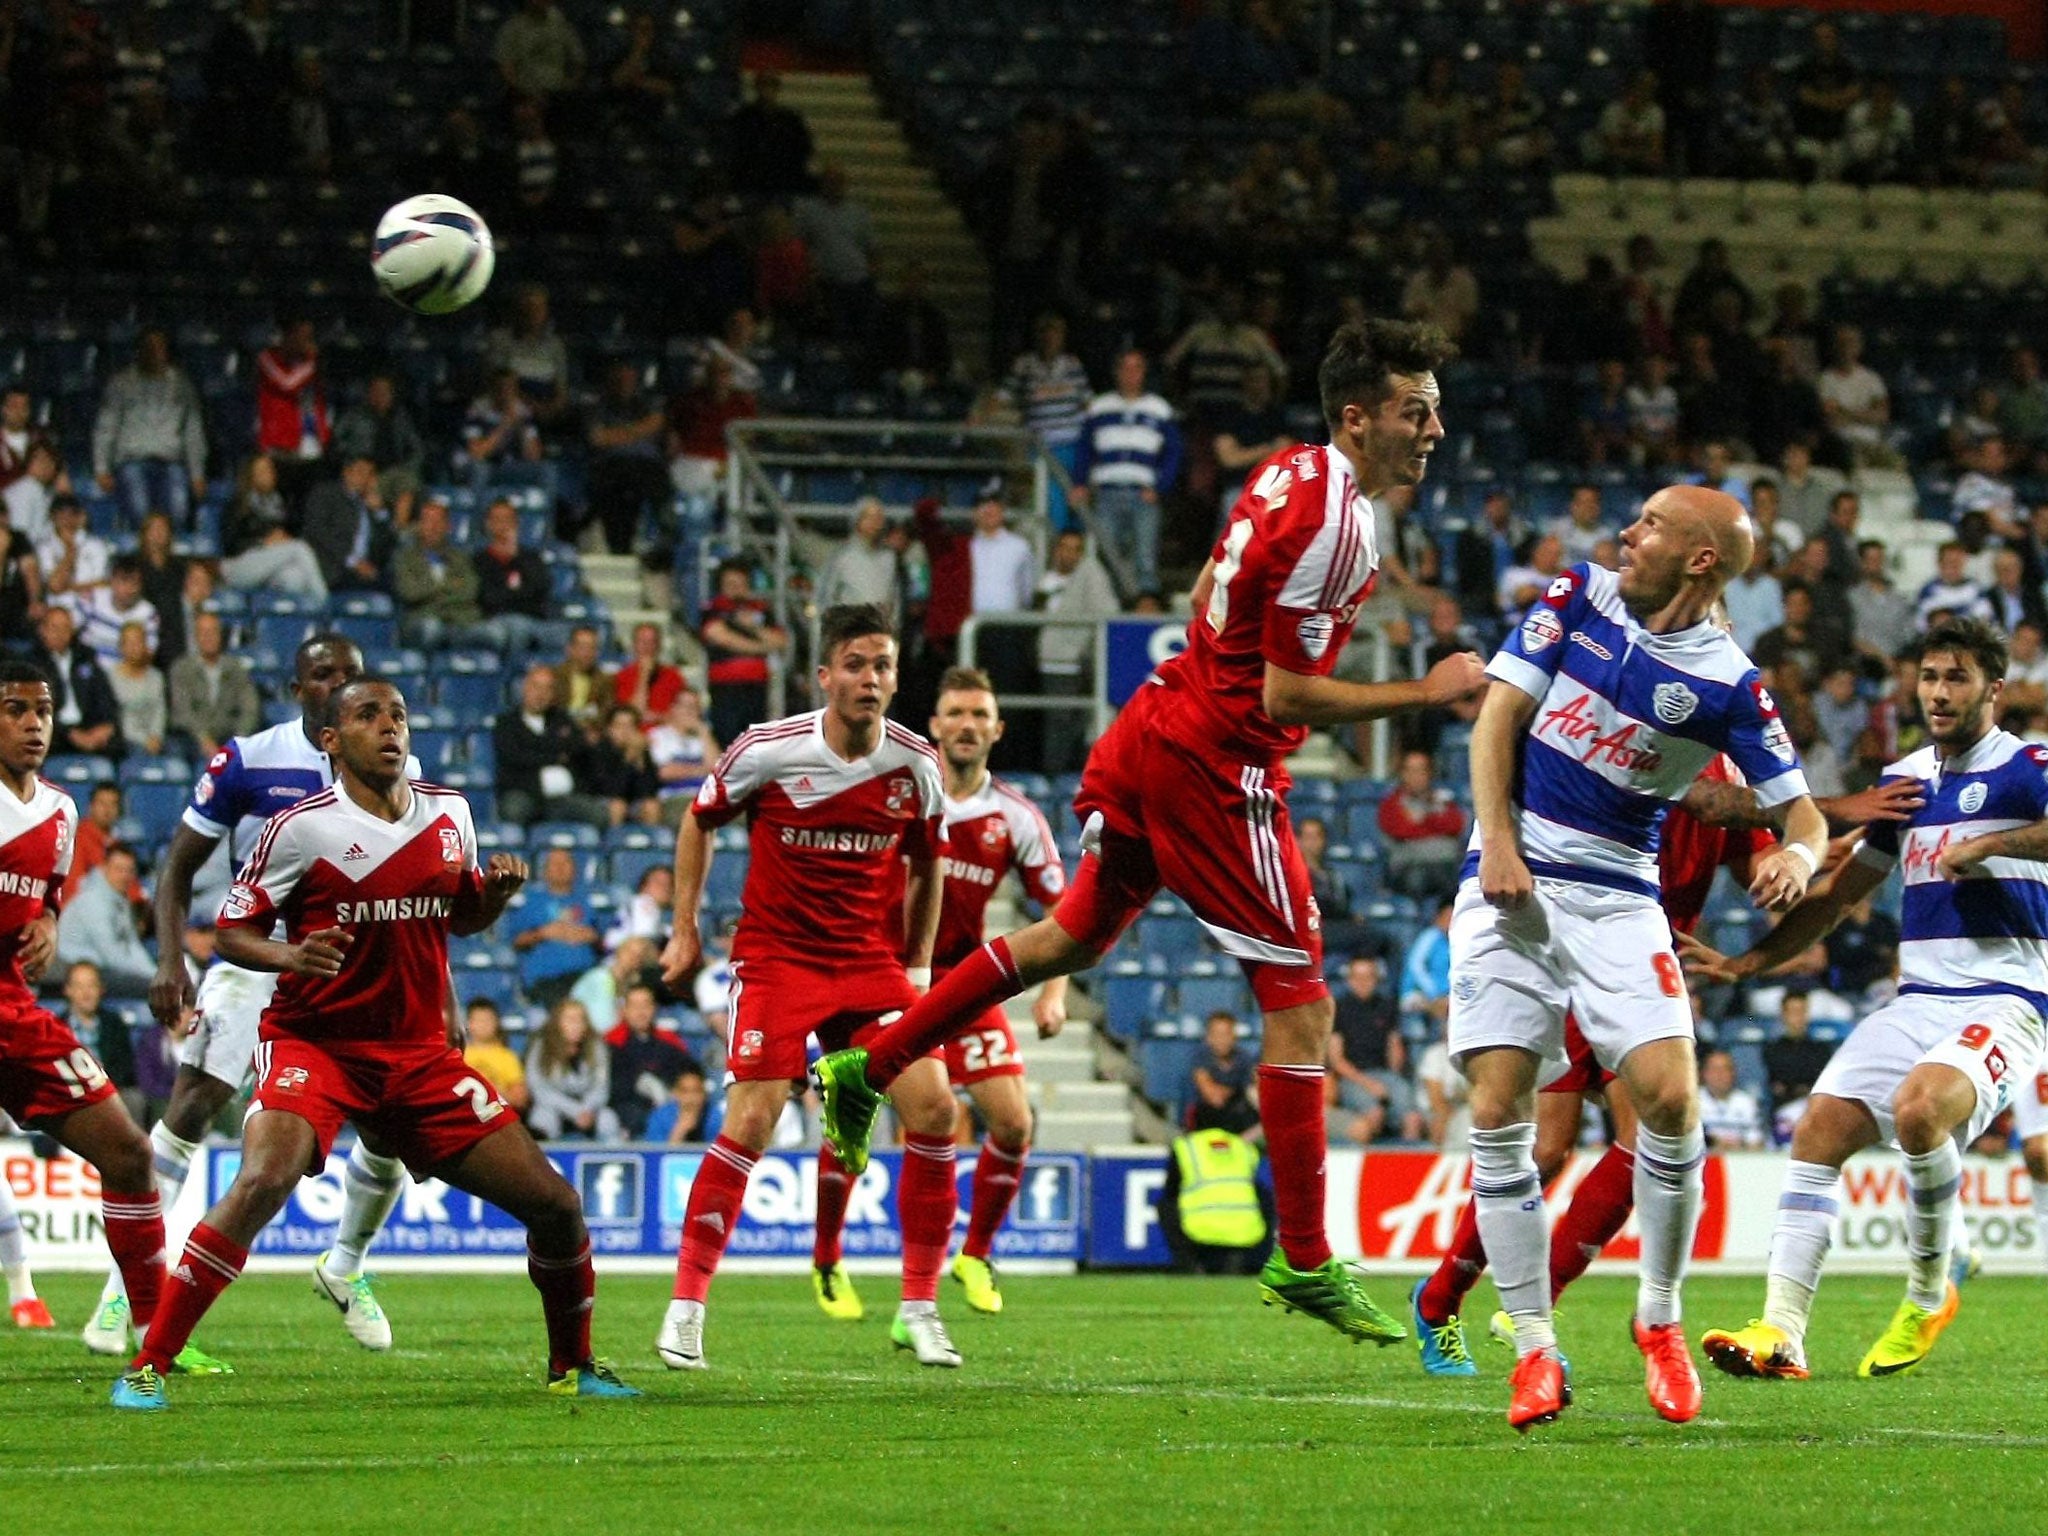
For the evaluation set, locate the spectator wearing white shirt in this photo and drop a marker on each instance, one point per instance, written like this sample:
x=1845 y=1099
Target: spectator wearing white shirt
x=2026 y=672
x=1854 y=400
x=1581 y=529
x=1951 y=591
x=866 y=568
x=72 y=560
x=1129 y=458
x=1449 y=1095
x=104 y=611
x=1729 y=1116
x=29 y=495
x=1074 y=586
x=1986 y=489
x=1049 y=388
x=1005 y=569
x=1521 y=585
x=1755 y=599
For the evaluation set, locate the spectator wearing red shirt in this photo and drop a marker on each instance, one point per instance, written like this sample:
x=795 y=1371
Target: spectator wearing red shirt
x=785 y=284
x=1425 y=832
x=95 y=832
x=292 y=425
x=738 y=638
x=647 y=683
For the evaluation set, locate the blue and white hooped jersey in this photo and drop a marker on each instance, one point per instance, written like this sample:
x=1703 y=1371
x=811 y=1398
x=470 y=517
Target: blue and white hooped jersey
x=1625 y=721
x=252 y=778
x=1986 y=934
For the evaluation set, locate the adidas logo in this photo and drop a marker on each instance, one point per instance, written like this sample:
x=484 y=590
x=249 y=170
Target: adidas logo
x=713 y=1220
x=804 y=782
x=183 y=1272
x=355 y=851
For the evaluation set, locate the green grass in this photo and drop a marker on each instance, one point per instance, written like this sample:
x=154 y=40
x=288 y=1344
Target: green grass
x=1092 y=1405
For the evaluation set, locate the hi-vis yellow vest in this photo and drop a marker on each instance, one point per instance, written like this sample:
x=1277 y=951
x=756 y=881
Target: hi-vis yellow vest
x=1219 y=1204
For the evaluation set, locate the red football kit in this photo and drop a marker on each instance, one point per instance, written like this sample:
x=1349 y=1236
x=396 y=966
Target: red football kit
x=989 y=833
x=45 y=1070
x=1187 y=789
x=819 y=944
x=369 y=1044
x=1689 y=855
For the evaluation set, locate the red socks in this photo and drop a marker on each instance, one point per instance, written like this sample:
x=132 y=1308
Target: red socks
x=135 y=1236
x=568 y=1292
x=1443 y=1294
x=209 y=1266
x=985 y=978
x=997 y=1173
x=927 y=1200
x=1599 y=1208
x=708 y=1220
x=834 y=1185
x=1291 y=1106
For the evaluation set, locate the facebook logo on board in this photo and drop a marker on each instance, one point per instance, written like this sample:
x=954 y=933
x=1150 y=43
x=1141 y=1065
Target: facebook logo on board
x=610 y=1187
x=1047 y=1197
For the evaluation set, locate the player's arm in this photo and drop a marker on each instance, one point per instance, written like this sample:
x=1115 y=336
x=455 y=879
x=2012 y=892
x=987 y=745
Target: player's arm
x=1297 y=698
x=924 y=890
x=1722 y=803
x=693 y=862
x=318 y=954
x=39 y=938
x=484 y=903
x=1958 y=859
x=172 y=992
x=1504 y=717
x=1812 y=920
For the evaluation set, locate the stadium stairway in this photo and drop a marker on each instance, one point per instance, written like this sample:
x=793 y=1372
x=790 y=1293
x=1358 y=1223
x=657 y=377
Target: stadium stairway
x=912 y=217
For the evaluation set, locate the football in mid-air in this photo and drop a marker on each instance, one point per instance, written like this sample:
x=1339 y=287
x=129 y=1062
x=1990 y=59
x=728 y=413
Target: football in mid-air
x=432 y=254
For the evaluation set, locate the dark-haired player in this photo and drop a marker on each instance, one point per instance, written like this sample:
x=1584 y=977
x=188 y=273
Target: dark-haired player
x=49 y=1081
x=835 y=935
x=369 y=878
x=1188 y=788
x=247 y=782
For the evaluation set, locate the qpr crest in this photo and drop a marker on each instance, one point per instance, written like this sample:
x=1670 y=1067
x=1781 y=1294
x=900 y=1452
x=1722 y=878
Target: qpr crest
x=1971 y=800
x=1673 y=702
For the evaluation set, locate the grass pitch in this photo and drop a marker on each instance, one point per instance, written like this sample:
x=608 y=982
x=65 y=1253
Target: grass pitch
x=1094 y=1404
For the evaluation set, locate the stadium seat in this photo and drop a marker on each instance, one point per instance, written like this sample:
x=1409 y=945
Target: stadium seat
x=1201 y=996
x=1166 y=1067
x=1130 y=1002
x=726 y=878
x=472 y=695
x=282 y=632
x=370 y=632
x=156 y=806
x=629 y=865
x=78 y=773
x=562 y=834
x=137 y=769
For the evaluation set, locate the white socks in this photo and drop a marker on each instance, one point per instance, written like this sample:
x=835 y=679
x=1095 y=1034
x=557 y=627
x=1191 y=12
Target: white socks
x=1507 y=1198
x=1668 y=1191
x=21 y=1286
x=1799 y=1245
x=1932 y=1179
x=370 y=1190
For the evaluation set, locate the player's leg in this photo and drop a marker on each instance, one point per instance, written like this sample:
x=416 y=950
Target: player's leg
x=1600 y=1204
x=23 y=1304
x=371 y=1184
x=752 y=1108
x=927 y=1200
x=508 y=1169
x=829 y=1282
x=998 y=1173
x=2030 y=1126
x=103 y=1134
x=2035 y=1150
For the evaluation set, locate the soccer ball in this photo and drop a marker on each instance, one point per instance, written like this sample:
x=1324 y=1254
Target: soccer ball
x=432 y=254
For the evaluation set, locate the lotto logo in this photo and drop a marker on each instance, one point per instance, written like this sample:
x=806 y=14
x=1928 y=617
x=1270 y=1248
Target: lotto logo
x=610 y=1187
x=291 y=1080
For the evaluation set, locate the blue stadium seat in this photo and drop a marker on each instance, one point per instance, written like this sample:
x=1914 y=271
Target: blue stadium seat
x=493 y=837
x=1167 y=1067
x=137 y=769
x=1130 y=1003
x=562 y=834
x=629 y=864
x=1178 y=939
x=726 y=878
x=288 y=602
x=77 y=772
x=365 y=605
x=370 y=632
x=282 y=632
x=630 y=836
x=1200 y=996
x=436 y=750
x=473 y=695
x=156 y=806
x=498 y=984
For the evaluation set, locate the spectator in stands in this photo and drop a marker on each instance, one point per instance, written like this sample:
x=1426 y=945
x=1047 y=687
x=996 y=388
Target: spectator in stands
x=1629 y=139
x=558 y=942
x=1225 y=1095
x=697 y=422
x=1877 y=136
x=646 y=914
x=1711 y=273
x=682 y=750
x=95 y=834
x=1757 y=137
x=312 y=121
x=21 y=582
x=1247 y=435
x=435 y=583
x=1425 y=831
x=619 y=770
x=261 y=551
x=1804 y=494
x=909 y=342
x=1129 y=458
x=1863 y=953
x=18 y=432
x=2026 y=673
x=501 y=441
x=1523 y=584
x=1729 y=1116
x=647 y=683
x=536 y=168
x=1328 y=886
x=1436 y=119
x=1987 y=488
x=840 y=236
x=87 y=718
x=1581 y=529
x=103 y=1031
x=690 y=1117
x=1824 y=87
x=568 y=1072
x=1839 y=711
x=1508 y=128
x=291 y=407
x=1005 y=574
x=1711 y=406
x=149 y=439
x=641 y=76
x=2013 y=601
x=628 y=468
x=540 y=757
x=584 y=686
x=1442 y=290
x=244 y=75
x=1210 y=357
x=163 y=571
x=740 y=643
x=2022 y=408
x=99 y=925
x=30 y=496
x=349 y=530
x=539 y=52
x=2004 y=150
x=486 y=1053
x=645 y=1062
x=213 y=698
x=139 y=690
x=1369 y=1057
x=73 y=561
x=380 y=428
x=535 y=353
x=1049 y=387
x=511 y=582
x=1074 y=586
x=866 y=568
x=1793 y=1061
x=103 y=611
x=602 y=988
x=785 y=281
x=1951 y=591
x=1855 y=401
x=1604 y=426
x=768 y=145
x=1785 y=405
x=1796 y=639
x=1426 y=973
x=1653 y=413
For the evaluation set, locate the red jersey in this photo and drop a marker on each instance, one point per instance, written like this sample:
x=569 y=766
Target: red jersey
x=328 y=863
x=1691 y=852
x=1296 y=558
x=36 y=835
x=988 y=834
x=827 y=839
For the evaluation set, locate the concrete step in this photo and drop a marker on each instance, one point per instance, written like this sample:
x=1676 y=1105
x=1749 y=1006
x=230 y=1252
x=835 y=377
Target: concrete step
x=1047 y=1066
x=1065 y=1098
x=1056 y=1132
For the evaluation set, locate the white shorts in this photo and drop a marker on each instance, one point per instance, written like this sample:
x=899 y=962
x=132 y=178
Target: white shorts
x=1603 y=954
x=223 y=1039
x=1993 y=1041
x=2030 y=1104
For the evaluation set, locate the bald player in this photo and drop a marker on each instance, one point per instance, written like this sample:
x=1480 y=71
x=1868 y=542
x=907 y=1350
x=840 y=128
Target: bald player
x=1611 y=697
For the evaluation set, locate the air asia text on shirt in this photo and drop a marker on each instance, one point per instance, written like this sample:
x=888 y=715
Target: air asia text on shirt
x=1572 y=723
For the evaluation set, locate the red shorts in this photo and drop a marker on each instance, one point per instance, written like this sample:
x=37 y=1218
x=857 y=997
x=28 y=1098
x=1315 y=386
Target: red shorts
x=419 y=1101
x=1583 y=1072
x=45 y=1070
x=1212 y=830
x=777 y=1005
x=986 y=1049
